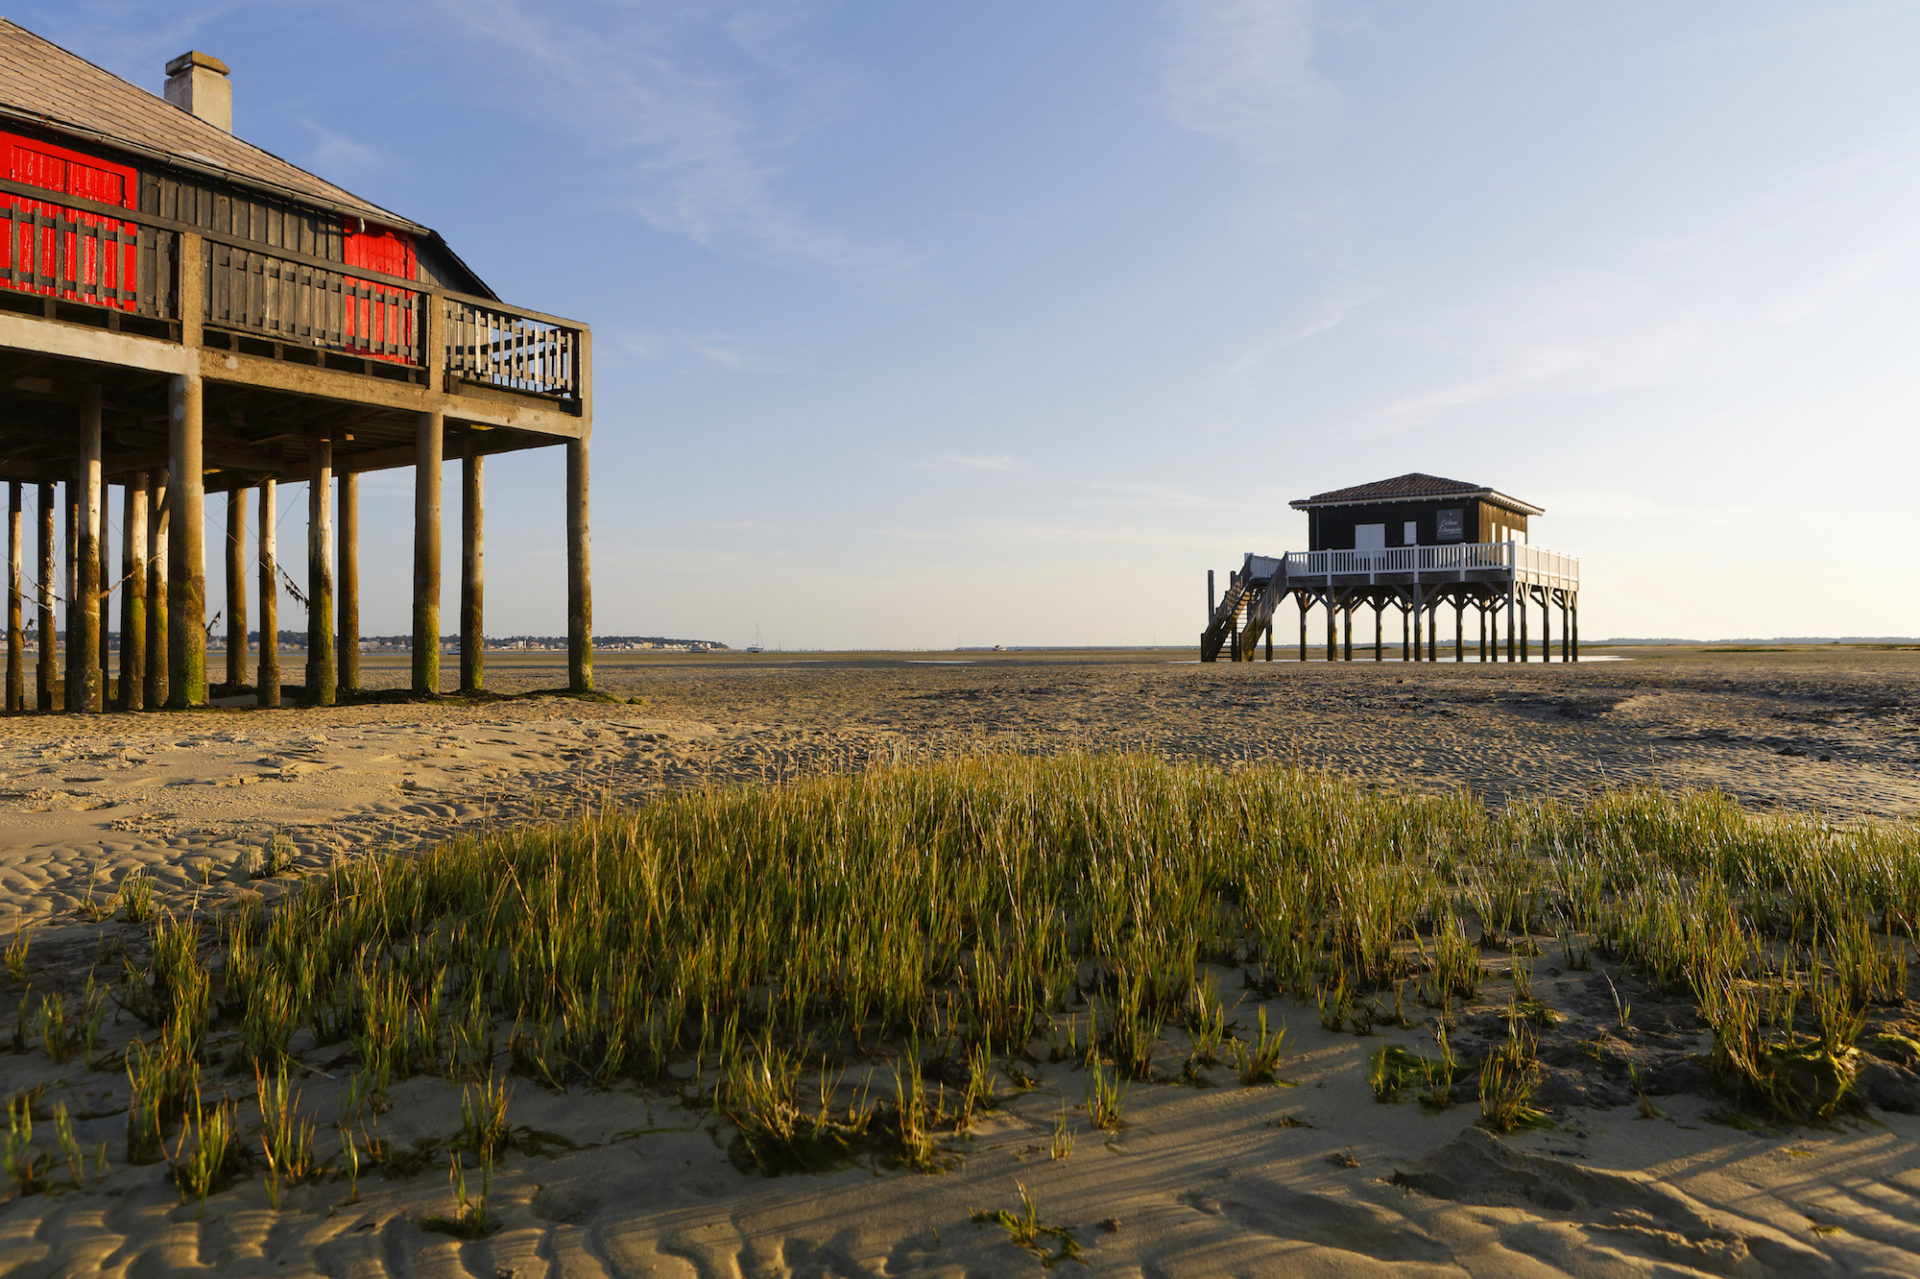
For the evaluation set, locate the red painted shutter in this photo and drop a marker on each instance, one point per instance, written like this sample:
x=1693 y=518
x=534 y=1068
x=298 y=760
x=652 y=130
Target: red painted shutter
x=67 y=263
x=381 y=317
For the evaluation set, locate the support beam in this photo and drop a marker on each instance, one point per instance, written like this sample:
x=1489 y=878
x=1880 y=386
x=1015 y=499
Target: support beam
x=1376 y=630
x=83 y=627
x=107 y=581
x=321 y=688
x=159 y=633
x=1333 y=617
x=1546 y=626
x=70 y=590
x=1512 y=620
x=349 y=542
x=1459 y=631
x=1566 y=634
x=1523 y=605
x=1301 y=600
x=236 y=587
x=579 y=573
x=44 y=668
x=1574 y=625
x=267 y=682
x=1406 y=645
x=16 y=640
x=429 y=435
x=133 y=594
x=1269 y=639
x=1346 y=634
x=186 y=548
x=473 y=637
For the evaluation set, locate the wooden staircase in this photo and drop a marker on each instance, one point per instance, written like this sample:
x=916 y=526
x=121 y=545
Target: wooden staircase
x=1243 y=613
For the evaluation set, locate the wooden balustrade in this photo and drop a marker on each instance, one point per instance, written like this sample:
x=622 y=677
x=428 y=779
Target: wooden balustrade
x=100 y=255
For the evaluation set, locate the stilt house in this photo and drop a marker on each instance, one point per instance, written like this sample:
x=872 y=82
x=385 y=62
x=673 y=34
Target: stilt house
x=1418 y=544
x=181 y=313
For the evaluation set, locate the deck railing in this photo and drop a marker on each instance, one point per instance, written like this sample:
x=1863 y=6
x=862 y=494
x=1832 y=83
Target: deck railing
x=100 y=255
x=1528 y=563
x=517 y=352
x=82 y=256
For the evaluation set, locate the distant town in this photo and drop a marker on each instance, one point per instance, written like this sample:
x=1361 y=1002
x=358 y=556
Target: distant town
x=297 y=640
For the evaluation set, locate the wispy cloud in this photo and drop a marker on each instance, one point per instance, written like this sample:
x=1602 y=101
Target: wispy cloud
x=977 y=462
x=1242 y=70
x=699 y=103
x=1328 y=317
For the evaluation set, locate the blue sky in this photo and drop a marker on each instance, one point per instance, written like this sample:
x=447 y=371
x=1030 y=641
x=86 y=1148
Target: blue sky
x=927 y=324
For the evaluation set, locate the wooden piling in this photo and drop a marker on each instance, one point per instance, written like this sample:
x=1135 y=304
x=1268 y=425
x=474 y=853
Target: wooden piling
x=1459 y=631
x=1546 y=626
x=44 y=667
x=1301 y=600
x=107 y=580
x=579 y=573
x=159 y=520
x=349 y=543
x=1346 y=634
x=133 y=594
x=83 y=629
x=473 y=639
x=429 y=436
x=267 y=682
x=186 y=548
x=1574 y=625
x=1376 y=631
x=236 y=587
x=16 y=640
x=69 y=590
x=321 y=675
x=1333 y=610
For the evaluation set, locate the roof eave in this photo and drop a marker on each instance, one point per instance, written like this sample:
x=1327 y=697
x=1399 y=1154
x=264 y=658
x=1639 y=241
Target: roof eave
x=176 y=160
x=1494 y=496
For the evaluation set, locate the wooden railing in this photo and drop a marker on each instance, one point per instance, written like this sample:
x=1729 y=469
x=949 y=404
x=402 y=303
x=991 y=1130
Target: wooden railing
x=1528 y=563
x=512 y=350
x=83 y=256
x=101 y=255
x=293 y=300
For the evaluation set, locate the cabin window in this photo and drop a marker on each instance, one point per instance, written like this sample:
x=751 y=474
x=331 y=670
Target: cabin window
x=1369 y=537
x=63 y=251
x=1411 y=534
x=1449 y=524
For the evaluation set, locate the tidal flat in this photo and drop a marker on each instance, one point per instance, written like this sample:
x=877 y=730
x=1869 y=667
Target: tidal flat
x=851 y=964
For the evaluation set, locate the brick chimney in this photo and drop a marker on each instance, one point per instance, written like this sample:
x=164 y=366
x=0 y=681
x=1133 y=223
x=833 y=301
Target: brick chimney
x=197 y=82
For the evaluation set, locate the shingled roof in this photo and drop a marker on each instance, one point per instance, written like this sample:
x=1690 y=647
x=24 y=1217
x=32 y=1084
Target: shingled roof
x=1414 y=486
x=43 y=83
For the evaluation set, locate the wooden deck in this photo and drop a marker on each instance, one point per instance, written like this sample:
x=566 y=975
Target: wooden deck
x=1495 y=579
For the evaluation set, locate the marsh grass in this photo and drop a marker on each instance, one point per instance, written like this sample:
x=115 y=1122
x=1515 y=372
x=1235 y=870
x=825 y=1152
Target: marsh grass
x=1027 y=1231
x=753 y=948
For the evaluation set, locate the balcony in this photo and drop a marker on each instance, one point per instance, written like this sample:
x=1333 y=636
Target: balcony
x=1457 y=562
x=117 y=269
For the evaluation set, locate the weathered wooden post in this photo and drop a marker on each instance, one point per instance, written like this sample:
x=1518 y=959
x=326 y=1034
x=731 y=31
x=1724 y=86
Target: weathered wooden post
x=1546 y=625
x=236 y=587
x=1212 y=603
x=1523 y=605
x=1459 y=631
x=267 y=682
x=83 y=612
x=1574 y=624
x=579 y=573
x=1346 y=633
x=160 y=505
x=133 y=594
x=187 y=497
x=1376 y=629
x=1333 y=618
x=1566 y=633
x=321 y=688
x=49 y=636
x=16 y=641
x=107 y=579
x=70 y=588
x=429 y=434
x=1300 y=598
x=1269 y=639
x=186 y=548
x=473 y=637
x=349 y=542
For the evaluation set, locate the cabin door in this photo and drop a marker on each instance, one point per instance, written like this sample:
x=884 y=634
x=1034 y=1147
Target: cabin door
x=1369 y=537
x=379 y=320
x=49 y=248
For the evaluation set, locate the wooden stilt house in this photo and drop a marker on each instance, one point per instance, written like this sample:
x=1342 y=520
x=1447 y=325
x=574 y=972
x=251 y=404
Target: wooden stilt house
x=1420 y=545
x=183 y=313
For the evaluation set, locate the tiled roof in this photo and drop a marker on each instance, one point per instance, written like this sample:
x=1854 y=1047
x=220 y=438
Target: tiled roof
x=41 y=81
x=1413 y=486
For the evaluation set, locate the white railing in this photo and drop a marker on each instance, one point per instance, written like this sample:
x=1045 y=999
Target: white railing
x=1525 y=563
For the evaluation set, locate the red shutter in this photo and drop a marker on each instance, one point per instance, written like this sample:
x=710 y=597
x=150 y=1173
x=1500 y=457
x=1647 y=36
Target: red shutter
x=66 y=263
x=381 y=318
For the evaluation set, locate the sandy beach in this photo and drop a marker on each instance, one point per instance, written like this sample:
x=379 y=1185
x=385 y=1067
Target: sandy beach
x=1309 y=1177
